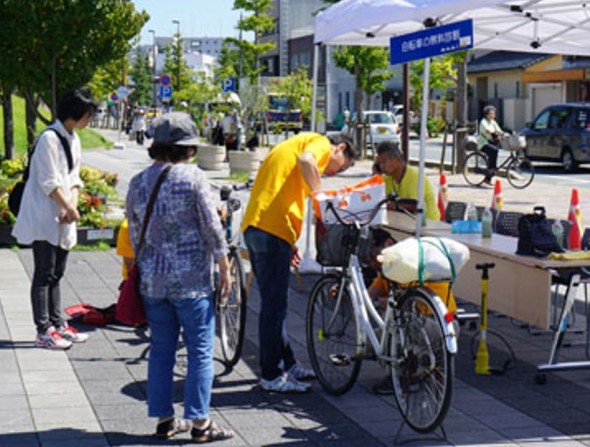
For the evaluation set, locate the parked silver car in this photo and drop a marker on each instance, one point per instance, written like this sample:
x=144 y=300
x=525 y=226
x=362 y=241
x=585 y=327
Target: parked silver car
x=561 y=132
x=382 y=124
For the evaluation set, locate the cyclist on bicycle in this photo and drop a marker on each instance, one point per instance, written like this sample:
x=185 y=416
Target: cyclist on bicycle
x=489 y=140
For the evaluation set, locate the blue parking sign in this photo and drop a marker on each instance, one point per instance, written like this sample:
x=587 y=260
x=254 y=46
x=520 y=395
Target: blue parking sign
x=165 y=92
x=228 y=85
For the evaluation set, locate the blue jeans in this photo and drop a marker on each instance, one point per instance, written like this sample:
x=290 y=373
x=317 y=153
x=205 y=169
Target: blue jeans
x=270 y=258
x=196 y=317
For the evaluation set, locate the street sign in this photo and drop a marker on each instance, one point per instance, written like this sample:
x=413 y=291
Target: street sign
x=165 y=93
x=165 y=80
x=228 y=85
x=431 y=42
x=114 y=97
x=122 y=92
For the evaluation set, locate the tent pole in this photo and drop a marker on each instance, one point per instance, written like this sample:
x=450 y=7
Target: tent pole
x=421 y=214
x=314 y=83
x=308 y=264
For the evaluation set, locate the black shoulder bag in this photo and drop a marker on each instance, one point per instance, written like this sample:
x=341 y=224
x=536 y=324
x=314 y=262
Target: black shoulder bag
x=16 y=195
x=535 y=236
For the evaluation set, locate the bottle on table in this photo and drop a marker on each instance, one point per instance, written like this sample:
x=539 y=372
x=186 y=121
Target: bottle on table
x=471 y=212
x=557 y=229
x=486 y=223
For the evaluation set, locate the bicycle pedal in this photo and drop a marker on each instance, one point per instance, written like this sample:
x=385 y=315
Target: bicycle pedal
x=339 y=359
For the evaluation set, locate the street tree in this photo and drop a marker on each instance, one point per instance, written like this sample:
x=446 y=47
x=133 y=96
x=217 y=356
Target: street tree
x=297 y=88
x=175 y=66
x=198 y=95
x=141 y=74
x=370 y=68
x=50 y=46
x=108 y=77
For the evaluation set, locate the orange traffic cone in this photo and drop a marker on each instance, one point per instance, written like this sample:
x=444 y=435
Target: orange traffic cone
x=443 y=196
x=575 y=217
x=497 y=200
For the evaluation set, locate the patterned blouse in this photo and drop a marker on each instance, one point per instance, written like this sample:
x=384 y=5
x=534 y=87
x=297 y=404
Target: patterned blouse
x=184 y=233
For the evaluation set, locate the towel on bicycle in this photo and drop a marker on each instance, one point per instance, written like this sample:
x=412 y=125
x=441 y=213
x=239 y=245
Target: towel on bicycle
x=424 y=259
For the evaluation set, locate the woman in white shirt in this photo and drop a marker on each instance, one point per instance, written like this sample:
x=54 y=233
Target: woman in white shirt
x=48 y=215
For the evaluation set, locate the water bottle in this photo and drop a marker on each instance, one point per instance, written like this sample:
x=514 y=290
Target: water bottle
x=557 y=229
x=470 y=212
x=486 y=223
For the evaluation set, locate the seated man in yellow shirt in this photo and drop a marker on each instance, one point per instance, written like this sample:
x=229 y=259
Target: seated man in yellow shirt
x=402 y=179
x=271 y=225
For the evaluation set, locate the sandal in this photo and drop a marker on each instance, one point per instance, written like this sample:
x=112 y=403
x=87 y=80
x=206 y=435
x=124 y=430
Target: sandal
x=167 y=429
x=212 y=432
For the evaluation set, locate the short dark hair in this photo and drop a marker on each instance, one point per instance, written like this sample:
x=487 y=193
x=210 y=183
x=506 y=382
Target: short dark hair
x=75 y=104
x=170 y=152
x=391 y=148
x=488 y=109
x=349 y=150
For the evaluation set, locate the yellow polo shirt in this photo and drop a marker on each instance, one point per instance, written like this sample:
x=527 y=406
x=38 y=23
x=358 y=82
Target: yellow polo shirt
x=124 y=247
x=277 y=201
x=408 y=189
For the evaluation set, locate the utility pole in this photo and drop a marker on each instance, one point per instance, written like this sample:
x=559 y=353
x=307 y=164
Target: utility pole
x=154 y=87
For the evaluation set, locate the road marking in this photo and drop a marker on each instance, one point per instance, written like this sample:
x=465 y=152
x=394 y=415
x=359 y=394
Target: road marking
x=571 y=180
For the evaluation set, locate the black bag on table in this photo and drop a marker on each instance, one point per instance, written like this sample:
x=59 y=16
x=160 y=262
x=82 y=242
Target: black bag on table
x=535 y=236
x=16 y=195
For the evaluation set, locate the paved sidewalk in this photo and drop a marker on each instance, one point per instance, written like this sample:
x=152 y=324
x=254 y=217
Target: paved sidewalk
x=94 y=395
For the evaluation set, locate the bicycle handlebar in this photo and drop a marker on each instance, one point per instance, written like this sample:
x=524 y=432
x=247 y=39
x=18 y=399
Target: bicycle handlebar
x=390 y=198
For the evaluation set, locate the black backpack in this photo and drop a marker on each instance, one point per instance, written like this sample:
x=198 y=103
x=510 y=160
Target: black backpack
x=16 y=195
x=535 y=235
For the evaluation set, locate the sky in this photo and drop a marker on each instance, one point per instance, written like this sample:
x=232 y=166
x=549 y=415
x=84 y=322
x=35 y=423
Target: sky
x=198 y=18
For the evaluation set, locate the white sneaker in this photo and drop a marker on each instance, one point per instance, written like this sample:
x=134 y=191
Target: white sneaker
x=299 y=372
x=51 y=339
x=285 y=384
x=71 y=334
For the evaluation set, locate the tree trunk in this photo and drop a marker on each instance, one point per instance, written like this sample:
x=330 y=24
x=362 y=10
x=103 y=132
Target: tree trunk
x=31 y=120
x=360 y=131
x=8 y=124
x=461 y=99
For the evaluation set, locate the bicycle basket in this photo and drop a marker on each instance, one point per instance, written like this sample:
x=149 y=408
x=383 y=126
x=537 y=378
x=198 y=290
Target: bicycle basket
x=513 y=142
x=334 y=243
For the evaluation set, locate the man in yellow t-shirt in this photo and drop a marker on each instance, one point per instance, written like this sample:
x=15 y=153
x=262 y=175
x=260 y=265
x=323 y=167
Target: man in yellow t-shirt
x=402 y=179
x=271 y=225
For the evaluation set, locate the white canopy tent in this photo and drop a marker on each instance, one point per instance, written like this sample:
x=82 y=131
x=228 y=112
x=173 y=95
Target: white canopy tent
x=543 y=26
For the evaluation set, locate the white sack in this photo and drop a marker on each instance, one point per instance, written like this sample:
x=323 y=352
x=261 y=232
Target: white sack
x=400 y=262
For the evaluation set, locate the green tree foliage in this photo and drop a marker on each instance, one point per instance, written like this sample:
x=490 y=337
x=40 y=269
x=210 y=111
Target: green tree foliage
x=297 y=87
x=443 y=75
x=108 y=77
x=50 y=46
x=175 y=66
x=198 y=94
x=142 y=79
x=258 y=22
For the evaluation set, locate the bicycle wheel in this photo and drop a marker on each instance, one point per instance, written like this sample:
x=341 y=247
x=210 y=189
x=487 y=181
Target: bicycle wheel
x=332 y=335
x=232 y=313
x=520 y=172
x=475 y=168
x=422 y=369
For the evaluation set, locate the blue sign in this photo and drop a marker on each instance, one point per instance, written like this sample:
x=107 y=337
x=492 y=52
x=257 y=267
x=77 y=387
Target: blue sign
x=165 y=93
x=431 y=42
x=228 y=85
x=165 y=80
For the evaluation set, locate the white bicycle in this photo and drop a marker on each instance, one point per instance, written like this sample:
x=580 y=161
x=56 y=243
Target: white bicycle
x=415 y=338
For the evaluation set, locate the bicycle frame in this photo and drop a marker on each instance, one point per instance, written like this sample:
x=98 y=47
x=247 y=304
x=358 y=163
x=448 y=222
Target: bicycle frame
x=365 y=311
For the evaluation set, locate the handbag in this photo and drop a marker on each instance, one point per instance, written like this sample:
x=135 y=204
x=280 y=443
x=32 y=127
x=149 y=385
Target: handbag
x=16 y=195
x=535 y=236
x=130 y=309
